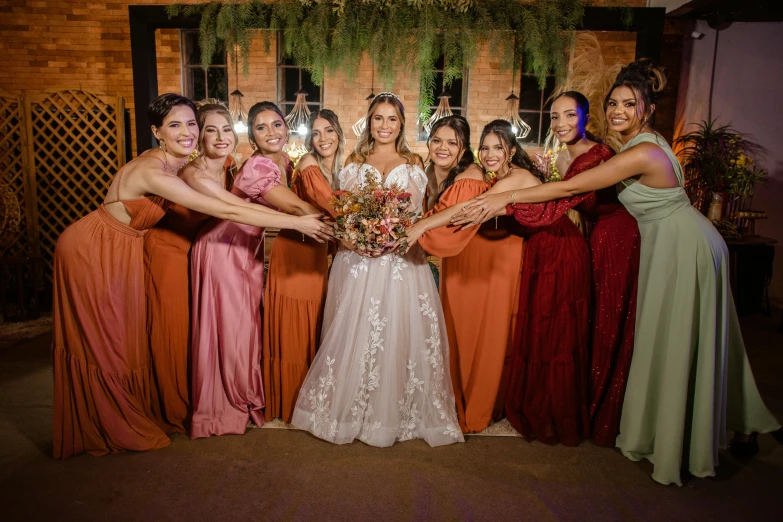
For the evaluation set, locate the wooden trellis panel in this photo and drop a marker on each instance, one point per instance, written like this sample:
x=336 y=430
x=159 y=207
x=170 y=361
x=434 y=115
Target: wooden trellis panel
x=77 y=145
x=12 y=172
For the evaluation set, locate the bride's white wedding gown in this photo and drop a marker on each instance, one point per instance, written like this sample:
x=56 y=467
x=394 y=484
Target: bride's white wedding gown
x=382 y=371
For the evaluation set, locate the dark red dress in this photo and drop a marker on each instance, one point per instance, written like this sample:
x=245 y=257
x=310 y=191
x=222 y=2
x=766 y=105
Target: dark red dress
x=547 y=395
x=614 y=247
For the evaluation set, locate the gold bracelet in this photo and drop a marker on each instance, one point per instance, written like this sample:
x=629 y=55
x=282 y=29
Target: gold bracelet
x=513 y=192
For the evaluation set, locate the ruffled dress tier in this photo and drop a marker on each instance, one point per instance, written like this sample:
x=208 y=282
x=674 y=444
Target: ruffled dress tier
x=294 y=301
x=547 y=394
x=102 y=368
x=227 y=281
x=479 y=285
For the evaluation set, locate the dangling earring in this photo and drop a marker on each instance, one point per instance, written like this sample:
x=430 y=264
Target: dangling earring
x=253 y=146
x=161 y=146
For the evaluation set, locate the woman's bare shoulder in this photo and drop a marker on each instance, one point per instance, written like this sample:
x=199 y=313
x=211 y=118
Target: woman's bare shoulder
x=472 y=172
x=525 y=176
x=308 y=160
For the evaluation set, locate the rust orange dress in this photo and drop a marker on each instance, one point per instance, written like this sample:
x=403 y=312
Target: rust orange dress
x=294 y=302
x=167 y=283
x=479 y=284
x=102 y=375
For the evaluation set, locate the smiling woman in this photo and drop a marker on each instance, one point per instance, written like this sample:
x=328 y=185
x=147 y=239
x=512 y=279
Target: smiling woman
x=102 y=377
x=268 y=135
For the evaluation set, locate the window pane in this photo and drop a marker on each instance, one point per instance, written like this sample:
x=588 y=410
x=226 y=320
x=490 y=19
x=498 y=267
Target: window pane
x=546 y=122
x=313 y=91
x=290 y=76
x=456 y=92
x=219 y=56
x=549 y=88
x=529 y=95
x=533 y=119
x=195 y=86
x=438 y=88
x=217 y=81
x=192 y=49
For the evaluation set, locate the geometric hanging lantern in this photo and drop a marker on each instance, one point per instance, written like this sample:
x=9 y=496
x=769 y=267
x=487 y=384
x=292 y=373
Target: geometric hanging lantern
x=443 y=110
x=298 y=117
x=235 y=106
x=518 y=126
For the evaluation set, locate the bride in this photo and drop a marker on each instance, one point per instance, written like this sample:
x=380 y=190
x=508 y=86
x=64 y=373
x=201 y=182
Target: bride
x=382 y=371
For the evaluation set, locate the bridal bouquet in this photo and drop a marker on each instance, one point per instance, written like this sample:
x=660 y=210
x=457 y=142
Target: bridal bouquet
x=373 y=217
x=546 y=164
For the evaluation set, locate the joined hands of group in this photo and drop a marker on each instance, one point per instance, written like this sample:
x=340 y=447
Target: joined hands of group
x=474 y=212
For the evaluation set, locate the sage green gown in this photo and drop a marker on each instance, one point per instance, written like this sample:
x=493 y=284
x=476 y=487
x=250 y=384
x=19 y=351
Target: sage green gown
x=690 y=380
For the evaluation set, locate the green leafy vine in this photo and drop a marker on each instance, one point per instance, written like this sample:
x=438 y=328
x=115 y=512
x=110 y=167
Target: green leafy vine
x=399 y=35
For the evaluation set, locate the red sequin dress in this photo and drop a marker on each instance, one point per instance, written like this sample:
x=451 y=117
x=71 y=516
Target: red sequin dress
x=547 y=394
x=614 y=248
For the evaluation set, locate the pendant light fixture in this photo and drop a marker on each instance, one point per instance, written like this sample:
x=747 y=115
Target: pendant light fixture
x=518 y=126
x=235 y=106
x=443 y=110
x=359 y=126
x=299 y=115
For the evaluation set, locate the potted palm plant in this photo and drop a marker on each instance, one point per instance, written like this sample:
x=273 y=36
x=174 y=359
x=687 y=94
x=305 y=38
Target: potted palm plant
x=718 y=162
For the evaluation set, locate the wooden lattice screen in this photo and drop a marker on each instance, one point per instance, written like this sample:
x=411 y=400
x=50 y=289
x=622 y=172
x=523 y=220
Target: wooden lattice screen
x=12 y=173
x=77 y=146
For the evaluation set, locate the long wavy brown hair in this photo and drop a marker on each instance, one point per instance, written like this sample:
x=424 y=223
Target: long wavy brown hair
x=366 y=143
x=337 y=163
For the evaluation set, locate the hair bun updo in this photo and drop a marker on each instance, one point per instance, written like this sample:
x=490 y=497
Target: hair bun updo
x=645 y=80
x=641 y=72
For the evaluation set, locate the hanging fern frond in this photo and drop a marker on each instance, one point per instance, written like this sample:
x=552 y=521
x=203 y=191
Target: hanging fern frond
x=399 y=35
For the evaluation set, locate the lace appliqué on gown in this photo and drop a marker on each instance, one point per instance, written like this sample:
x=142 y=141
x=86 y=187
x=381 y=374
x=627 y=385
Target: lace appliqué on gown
x=381 y=373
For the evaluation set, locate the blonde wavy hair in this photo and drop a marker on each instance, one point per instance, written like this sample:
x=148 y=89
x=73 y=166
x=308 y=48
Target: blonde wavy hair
x=366 y=143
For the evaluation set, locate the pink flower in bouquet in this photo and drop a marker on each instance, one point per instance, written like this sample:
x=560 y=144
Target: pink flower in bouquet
x=403 y=196
x=378 y=195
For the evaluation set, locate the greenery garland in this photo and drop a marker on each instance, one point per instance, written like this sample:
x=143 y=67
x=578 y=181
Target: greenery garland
x=399 y=35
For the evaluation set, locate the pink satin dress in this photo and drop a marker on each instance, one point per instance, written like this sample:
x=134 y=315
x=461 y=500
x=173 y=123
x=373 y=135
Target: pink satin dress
x=227 y=281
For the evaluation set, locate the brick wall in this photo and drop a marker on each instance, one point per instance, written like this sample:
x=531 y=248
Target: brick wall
x=47 y=43
x=168 y=57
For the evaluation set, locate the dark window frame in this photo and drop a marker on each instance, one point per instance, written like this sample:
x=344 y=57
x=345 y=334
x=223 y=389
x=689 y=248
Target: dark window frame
x=461 y=109
x=282 y=64
x=525 y=80
x=196 y=68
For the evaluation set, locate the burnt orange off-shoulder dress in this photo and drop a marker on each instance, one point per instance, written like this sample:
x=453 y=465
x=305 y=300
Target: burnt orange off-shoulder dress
x=294 y=301
x=479 y=283
x=102 y=376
